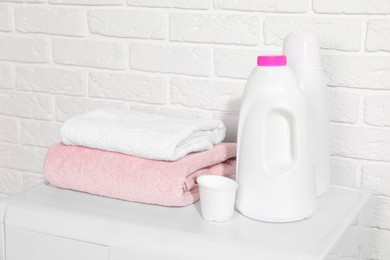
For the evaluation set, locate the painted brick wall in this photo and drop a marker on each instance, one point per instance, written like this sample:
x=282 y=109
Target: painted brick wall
x=60 y=58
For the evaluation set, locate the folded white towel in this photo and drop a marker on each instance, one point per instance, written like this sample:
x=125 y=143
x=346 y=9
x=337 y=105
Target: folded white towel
x=143 y=135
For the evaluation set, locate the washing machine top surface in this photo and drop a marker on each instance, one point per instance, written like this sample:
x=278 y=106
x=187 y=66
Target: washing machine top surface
x=179 y=232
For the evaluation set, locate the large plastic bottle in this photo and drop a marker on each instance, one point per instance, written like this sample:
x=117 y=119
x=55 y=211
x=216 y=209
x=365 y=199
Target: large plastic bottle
x=303 y=54
x=274 y=169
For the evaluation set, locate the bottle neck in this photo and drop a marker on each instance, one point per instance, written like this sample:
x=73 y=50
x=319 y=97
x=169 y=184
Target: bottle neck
x=276 y=69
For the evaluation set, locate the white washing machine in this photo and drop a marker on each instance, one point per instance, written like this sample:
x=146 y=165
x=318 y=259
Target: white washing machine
x=47 y=223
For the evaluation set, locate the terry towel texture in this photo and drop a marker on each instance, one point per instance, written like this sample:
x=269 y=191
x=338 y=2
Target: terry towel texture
x=143 y=135
x=116 y=175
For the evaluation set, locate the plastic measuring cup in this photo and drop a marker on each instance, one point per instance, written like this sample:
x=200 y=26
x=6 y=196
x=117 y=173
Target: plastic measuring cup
x=217 y=196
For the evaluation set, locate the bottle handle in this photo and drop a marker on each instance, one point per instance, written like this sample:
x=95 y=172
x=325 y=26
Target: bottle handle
x=281 y=141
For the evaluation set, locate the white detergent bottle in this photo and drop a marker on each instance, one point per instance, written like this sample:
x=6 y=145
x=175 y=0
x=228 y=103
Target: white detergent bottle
x=303 y=55
x=274 y=169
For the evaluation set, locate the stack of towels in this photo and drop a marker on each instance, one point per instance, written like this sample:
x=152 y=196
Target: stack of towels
x=139 y=157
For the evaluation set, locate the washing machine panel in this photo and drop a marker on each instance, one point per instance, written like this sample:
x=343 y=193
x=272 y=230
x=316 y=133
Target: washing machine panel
x=48 y=223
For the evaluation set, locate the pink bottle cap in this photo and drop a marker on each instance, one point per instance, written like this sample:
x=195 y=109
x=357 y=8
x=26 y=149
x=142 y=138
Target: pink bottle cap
x=270 y=61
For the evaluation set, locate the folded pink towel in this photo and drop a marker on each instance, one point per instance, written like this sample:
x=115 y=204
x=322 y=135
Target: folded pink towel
x=116 y=175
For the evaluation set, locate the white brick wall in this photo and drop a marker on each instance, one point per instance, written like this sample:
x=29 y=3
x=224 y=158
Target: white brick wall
x=336 y=33
x=61 y=58
x=30 y=180
x=87 y=2
x=170 y=59
x=281 y=6
x=361 y=142
x=50 y=80
x=377 y=178
x=7 y=76
x=67 y=107
x=378 y=35
x=343 y=172
x=381 y=212
x=352 y=7
x=11 y=181
x=377 y=110
x=206 y=94
x=5 y=18
x=59 y=21
x=21 y=49
x=344 y=107
x=10 y=130
x=188 y=4
x=234 y=63
x=24 y=1
x=128 y=87
x=367 y=72
x=91 y=53
x=128 y=23
x=26 y=105
x=215 y=28
x=381 y=244
x=22 y=158
x=40 y=133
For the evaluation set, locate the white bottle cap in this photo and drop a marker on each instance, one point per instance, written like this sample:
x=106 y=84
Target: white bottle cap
x=302 y=50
